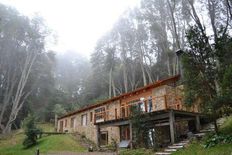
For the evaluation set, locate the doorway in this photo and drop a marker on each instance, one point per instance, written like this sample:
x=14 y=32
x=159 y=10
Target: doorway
x=124 y=132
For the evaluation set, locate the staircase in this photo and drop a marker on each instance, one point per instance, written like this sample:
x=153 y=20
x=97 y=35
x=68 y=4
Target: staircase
x=173 y=148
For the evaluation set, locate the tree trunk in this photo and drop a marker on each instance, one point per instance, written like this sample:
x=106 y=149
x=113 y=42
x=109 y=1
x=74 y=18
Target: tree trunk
x=20 y=96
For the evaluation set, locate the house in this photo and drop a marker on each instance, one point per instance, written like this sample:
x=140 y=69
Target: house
x=161 y=104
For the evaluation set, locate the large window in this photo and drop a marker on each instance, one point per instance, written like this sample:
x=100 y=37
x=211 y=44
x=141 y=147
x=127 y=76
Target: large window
x=84 y=120
x=100 y=114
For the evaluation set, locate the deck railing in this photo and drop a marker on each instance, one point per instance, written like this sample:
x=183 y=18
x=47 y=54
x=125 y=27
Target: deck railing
x=169 y=101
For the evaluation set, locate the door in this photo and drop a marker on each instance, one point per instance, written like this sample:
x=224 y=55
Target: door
x=103 y=138
x=61 y=126
x=124 y=132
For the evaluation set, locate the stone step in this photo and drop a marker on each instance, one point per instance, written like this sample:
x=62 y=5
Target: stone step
x=175 y=147
x=180 y=144
x=170 y=150
x=206 y=130
x=163 y=153
x=199 y=134
x=185 y=141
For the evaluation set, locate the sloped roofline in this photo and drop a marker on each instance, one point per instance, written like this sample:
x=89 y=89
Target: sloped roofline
x=153 y=85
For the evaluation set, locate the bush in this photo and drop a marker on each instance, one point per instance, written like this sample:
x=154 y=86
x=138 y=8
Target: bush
x=217 y=139
x=31 y=132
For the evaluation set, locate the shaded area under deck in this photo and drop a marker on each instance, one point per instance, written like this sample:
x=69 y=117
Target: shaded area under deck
x=168 y=117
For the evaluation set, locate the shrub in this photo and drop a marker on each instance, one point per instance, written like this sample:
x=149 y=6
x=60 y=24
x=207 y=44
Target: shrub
x=217 y=139
x=31 y=132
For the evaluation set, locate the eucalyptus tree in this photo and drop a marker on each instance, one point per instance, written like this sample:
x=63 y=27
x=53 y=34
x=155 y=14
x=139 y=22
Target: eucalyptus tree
x=207 y=60
x=21 y=43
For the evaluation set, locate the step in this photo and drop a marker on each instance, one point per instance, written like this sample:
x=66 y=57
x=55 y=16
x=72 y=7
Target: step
x=163 y=153
x=185 y=141
x=199 y=134
x=180 y=144
x=175 y=147
x=170 y=150
x=206 y=130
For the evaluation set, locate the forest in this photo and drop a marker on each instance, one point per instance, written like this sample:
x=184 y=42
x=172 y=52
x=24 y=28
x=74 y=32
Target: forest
x=140 y=49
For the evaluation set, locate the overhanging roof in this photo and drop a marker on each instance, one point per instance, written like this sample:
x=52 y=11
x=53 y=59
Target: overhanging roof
x=153 y=85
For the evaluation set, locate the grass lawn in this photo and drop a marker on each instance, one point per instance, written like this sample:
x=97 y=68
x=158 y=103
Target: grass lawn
x=196 y=149
x=12 y=145
x=140 y=151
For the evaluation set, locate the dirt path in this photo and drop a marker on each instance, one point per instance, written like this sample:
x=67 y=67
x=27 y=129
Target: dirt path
x=85 y=153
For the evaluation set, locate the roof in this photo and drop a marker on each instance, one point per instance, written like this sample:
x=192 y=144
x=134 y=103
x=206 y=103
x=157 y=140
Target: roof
x=153 y=85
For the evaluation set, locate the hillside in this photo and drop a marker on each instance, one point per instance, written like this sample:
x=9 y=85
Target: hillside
x=12 y=144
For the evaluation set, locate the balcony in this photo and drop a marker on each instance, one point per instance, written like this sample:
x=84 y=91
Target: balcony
x=169 y=101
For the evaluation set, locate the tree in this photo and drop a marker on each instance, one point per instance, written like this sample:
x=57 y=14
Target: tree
x=21 y=43
x=31 y=132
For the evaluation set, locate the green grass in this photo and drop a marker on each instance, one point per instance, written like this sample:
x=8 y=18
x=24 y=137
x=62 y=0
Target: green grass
x=226 y=127
x=46 y=127
x=12 y=145
x=140 y=151
x=196 y=148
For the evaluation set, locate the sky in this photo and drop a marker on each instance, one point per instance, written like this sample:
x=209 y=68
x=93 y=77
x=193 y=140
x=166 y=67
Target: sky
x=77 y=24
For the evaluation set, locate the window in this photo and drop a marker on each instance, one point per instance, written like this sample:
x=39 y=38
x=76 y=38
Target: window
x=100 y=114
x=72 y=125
x=84 y=120
x=91 y=116
x=116 y=114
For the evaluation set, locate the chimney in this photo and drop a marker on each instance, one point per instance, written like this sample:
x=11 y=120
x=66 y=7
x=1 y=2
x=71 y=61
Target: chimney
x=179 y=66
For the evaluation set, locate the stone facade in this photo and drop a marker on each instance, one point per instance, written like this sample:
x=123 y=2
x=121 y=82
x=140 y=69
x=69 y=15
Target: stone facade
x=163 y=97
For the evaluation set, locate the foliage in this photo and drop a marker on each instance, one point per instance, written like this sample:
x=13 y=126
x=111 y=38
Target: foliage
x=22 y=58
x=139 y=128
x=31 y=132
x=218 y=139
x=226 y=127
x=207 y=71
x=221 y=142
x=196 y=149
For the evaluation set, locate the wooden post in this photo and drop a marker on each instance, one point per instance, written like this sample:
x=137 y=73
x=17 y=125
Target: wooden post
x=37 y=151
x=165 y=102
x=172 y=126
x=56 y=122
x=131 y=135
x=98 y=135
x=198 y=124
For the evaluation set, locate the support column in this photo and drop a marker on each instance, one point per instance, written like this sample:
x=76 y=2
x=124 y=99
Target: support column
x=197 y=122
x=131 y=135
x=98 y=135
x=172 y=126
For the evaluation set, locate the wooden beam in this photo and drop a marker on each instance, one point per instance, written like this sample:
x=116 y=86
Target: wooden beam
x=162 y=124
x=131 y=136
x=172 y=126
x=198 y=124
x=118 y=123
x=98 y=135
